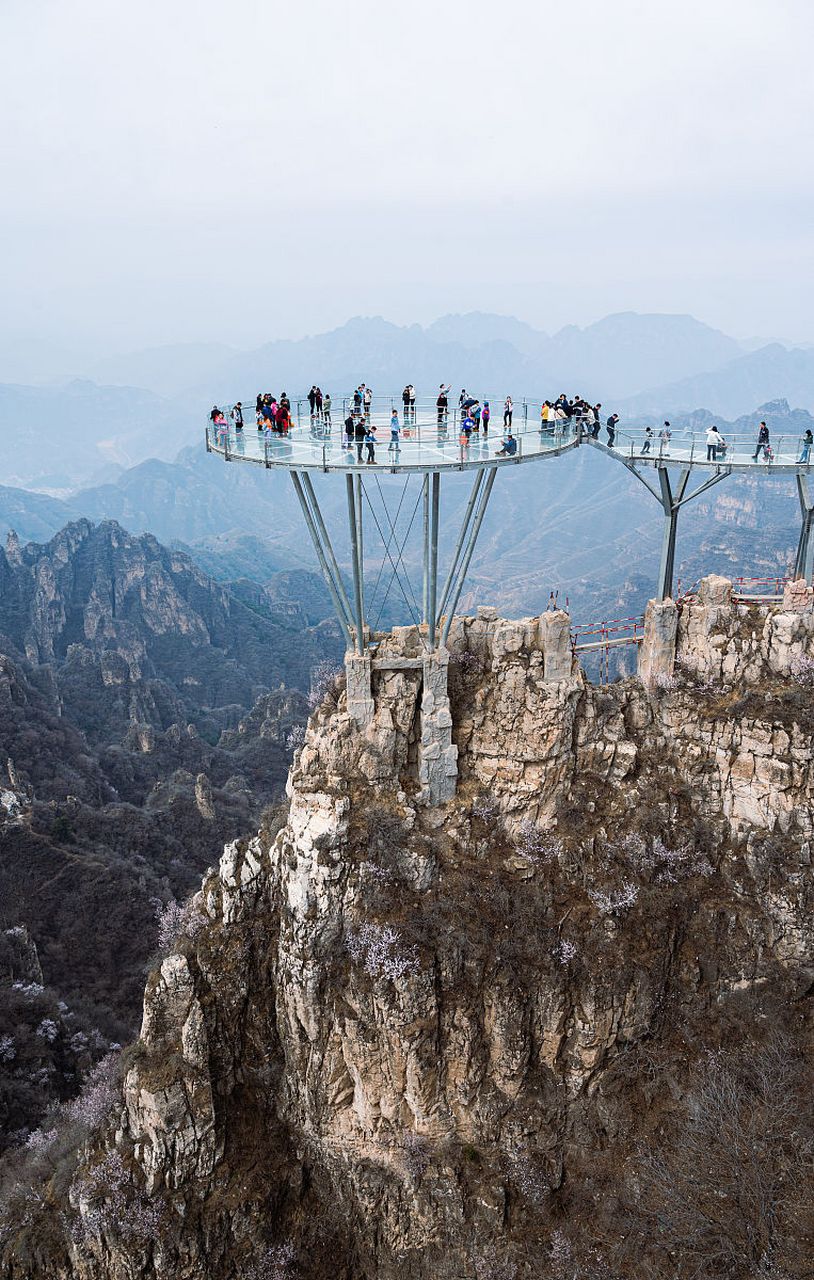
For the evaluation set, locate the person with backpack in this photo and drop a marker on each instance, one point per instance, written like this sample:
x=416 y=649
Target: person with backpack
x=370 y=441
x=610 y=427
x=237 y=416
x=359 y=434
x=762 y=442
x=807 y=442
x=405 y=402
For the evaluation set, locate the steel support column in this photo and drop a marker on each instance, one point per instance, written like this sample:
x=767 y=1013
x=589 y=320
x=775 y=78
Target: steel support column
x=360 y=539
x=467 y=555
x=344 y=617
x=670 y=506
x=456 y=555
x=425 y=596
x=326 y=542
x=804 y=562
x=432 y=591
x=353 y=522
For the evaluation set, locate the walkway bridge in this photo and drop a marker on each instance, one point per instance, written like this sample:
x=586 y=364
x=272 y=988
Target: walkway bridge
x=429 y=445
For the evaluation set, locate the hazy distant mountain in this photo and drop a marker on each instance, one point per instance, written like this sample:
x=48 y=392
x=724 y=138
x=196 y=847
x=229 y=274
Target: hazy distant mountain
x=58 y=436
x=771 y=373
x=165 y=370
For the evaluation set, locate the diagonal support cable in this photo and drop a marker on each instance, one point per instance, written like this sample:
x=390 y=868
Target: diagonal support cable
x=330 y=582
x=326 y=542
x=456 y=557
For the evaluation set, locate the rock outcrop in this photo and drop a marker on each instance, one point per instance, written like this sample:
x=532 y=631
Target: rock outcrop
x=398 y=1039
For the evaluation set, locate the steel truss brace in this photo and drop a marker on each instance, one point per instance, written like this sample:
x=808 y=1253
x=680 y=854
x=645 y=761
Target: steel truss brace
x=671 y=501
x=468 y=549
x=804 y=561
x=325 y=554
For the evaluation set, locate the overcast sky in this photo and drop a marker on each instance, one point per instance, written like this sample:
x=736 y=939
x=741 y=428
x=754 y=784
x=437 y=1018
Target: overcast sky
x=187 y=170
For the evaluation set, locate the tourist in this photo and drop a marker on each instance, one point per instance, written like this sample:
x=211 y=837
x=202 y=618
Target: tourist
x=237 y=416
x=807 y=442
x=319 y=402
x=467 y=427
x=405 y=401
x=665 y=436
x=326 y=409
x=462 y=398
x=508 y=410
x=312 y=400
x=762 y=443
x=648 y=436
x=715 y=441
x=370 y=441
x=368 y=396
x=509 y=447
x=411 y=389
x=357 y=400
x=597 y=422
x=349 y=431
x=486 y=414
x=359 y=436
x=442 y=403
x=610 y=427
x=213 y=413
x=394 y=432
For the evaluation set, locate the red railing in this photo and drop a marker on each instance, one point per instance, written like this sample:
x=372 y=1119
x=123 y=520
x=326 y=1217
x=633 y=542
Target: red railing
x=769 y=588
x=617 y=631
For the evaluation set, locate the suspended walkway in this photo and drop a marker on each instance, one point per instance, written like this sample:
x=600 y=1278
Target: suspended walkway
x=430 y=443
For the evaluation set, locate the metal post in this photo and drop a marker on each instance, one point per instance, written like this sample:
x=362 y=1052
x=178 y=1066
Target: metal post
x=470 y=506
x=804 y=562
x=208 y=445
x=473 y=537
x=360 y=539
x=668 y=545
x=426 y=581
x=433 y=583
x=357 y=576
x=326 y=573
x=326 y=542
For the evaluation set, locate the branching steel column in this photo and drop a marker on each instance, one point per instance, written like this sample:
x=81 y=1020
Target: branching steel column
x=357 y=569
x=425 y=597
x=470 y=507
x=470 y=547
x=804 y=563
x=360 y=540
x=433 y=567
x=344 y=617
x=326 y=542
x=668 y=544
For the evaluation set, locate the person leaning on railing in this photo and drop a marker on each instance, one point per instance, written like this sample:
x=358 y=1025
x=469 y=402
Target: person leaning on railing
x=806 y=443
x=715 y=441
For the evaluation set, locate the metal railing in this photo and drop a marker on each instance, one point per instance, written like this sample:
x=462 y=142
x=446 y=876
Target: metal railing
x=691 y=445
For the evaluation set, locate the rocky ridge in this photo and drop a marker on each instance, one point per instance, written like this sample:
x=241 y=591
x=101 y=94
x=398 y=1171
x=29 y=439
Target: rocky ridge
x=401 y=1040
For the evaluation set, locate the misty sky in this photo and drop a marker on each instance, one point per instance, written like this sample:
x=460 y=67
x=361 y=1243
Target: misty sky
x=190 y=170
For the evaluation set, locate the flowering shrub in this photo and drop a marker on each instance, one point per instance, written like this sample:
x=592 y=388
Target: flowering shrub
x=565 y=951
x=464 y=659
x=30 y=990
x=323 y=681
x=98 y=1094
x=7 y=1051
x=48 y=1030
x=484 y=807
x=275 y=1263
x=114 y=1200
x=534 y=844
x=177 y=920
x=609 y=902
x=664 y=681
x=526 y=1176
x=379 y=950
x=295 y=737
x=802 y=671
x=666 y=865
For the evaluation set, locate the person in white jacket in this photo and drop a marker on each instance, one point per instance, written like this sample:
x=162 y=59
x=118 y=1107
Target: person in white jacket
x=715 y=441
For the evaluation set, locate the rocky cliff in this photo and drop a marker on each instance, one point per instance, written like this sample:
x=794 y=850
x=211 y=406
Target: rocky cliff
x=557 y=1026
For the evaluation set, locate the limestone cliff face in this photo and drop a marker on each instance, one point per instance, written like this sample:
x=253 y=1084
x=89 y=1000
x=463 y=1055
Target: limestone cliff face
x=399 y=1040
